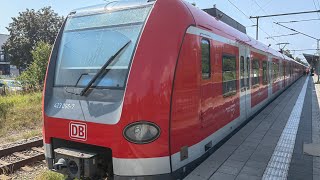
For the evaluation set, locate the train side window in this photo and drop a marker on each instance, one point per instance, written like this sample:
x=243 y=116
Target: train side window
x=229 y=75
x=255 y=72
x=275 y=69
x=242 y=71
x=264 y=72
x=205 y=59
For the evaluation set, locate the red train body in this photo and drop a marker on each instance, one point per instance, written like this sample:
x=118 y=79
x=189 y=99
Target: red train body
x=192 y=78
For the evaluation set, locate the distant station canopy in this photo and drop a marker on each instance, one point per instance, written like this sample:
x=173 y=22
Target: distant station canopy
x=313 y=60
x=225 y=18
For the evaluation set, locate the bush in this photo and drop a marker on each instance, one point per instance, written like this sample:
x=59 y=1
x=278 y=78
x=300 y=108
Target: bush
x=49 y=175
x=32 y=79
x=20 y=112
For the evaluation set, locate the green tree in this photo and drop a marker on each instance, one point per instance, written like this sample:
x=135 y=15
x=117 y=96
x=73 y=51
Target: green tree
x=28 y=28
x=288 y=53
x=298 y=59
x=34 y=76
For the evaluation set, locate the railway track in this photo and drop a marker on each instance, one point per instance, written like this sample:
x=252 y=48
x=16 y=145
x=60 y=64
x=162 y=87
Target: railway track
x=18 y=155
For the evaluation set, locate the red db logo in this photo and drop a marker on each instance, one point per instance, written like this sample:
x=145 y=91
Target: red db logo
x=78 y=131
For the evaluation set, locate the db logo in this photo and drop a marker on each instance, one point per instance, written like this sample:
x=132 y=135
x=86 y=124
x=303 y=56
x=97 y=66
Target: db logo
x=78 y=131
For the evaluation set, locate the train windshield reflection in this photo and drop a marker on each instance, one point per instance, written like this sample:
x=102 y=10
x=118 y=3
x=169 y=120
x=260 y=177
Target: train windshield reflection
x=89 y=41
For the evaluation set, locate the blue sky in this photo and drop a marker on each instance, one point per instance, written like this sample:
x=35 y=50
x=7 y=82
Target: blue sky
x=249 y=7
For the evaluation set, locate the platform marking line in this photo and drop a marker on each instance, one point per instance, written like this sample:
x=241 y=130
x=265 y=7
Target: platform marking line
x=279 y=163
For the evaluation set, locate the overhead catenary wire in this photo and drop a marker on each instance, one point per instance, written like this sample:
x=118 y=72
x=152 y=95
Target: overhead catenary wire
x=265 y=5
x=275 y=20
x=292 y=34
x=303 y=49
x=250 y=19
x=297 y=31
x=261 y=8
x=314 y=3
x=296 y=21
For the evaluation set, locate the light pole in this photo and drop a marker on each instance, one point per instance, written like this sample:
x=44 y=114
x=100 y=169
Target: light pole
x=318 y=53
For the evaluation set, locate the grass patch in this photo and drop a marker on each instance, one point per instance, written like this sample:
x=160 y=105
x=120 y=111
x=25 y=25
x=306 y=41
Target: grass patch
x=20 y=113
x=16 y=136
x=49 y=175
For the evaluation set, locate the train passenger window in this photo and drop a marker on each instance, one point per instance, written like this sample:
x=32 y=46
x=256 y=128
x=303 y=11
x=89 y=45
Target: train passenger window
x=205 y=59
x=242 y=71
x=255 y=72
x=264 y=72
x=229 y=75
x=275 y=70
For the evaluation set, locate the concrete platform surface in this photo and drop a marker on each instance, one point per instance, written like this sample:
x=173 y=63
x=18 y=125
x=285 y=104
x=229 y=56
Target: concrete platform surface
x=278 y=143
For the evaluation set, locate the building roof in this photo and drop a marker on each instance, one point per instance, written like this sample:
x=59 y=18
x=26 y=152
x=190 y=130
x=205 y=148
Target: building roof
x=3 y=39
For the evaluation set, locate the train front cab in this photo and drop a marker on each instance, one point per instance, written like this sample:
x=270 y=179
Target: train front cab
x=180 y=82
x=88 y=133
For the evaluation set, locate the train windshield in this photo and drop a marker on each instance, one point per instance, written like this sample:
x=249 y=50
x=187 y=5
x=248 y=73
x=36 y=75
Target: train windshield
x=88 y=41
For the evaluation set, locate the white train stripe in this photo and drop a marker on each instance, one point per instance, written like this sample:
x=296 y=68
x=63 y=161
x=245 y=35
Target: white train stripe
x=146 y=166
x=279 y=163
x=200 y=32
x=141 y=167
x=197 y=150
x=48 y=150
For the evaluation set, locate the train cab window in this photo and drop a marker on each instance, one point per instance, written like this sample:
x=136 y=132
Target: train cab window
x=264 y=72
x=255 y=72
x=229 y=75
x=242 y=72
x=205 y=59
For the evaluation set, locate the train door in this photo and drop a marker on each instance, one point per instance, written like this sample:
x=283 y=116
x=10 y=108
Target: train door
x=284 y=68
x=244 y=82
x=206 y=86
x=281 y=73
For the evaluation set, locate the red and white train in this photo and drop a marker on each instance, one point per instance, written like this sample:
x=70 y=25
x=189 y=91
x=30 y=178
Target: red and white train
x=146 y=89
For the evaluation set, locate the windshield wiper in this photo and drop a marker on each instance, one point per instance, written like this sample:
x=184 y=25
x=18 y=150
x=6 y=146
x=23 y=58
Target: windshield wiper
x=101 y=71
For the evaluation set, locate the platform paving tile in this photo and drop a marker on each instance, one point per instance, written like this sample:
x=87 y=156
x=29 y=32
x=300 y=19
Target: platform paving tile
x=253 y=163
x=193 y=176
x=240 y=157
x=234 y=163
x=229 y=170
x=222 y=176
x=243 y=176
x=254 y=171
x=316 y=128
x=316 y=177
x=247 y=153
x=301 y=165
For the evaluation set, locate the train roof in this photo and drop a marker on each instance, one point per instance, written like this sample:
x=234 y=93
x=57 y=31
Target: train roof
x=112 y=6
x=207 y=21
x=202 y=19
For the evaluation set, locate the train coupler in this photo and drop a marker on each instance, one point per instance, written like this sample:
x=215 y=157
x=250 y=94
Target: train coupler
x=75 y=163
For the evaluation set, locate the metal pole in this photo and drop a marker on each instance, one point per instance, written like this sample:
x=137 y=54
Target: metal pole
x=257 y=33
x=318 y=46
x=318 y=52
x=286 y=14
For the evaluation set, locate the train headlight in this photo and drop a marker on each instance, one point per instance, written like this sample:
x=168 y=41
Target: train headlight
x=141 y=132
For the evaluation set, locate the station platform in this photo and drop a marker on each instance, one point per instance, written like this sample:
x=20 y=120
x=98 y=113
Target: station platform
x=281 y=142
